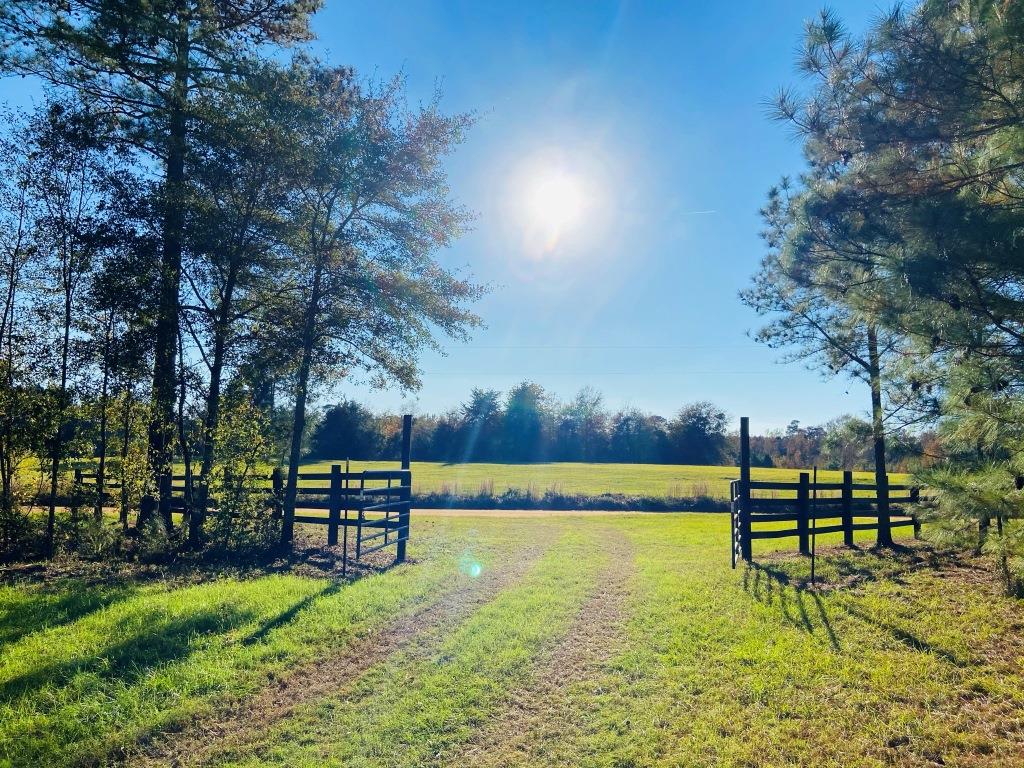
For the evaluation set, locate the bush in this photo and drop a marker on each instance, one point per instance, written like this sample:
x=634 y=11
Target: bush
x=241 y=519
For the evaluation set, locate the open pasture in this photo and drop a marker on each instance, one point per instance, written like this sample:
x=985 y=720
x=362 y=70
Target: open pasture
x=602 y=640
x=587 y=479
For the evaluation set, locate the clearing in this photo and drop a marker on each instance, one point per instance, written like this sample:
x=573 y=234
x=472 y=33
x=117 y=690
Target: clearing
x=649 y=480
x=600 y=640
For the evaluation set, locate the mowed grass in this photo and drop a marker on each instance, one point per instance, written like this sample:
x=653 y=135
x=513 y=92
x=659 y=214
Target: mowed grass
x=653 y=480
x=906 y=659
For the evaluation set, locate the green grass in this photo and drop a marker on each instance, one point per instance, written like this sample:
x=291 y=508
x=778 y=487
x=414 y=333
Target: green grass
x=655 y=480
x=909 y=659
x=91 y=669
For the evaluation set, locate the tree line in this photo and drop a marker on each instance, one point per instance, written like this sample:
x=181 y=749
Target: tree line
x=528 y=424
x=200 y=223
x=895 y=257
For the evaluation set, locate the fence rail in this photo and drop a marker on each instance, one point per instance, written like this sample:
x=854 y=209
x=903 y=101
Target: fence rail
x=852 y=506
x=376 y=499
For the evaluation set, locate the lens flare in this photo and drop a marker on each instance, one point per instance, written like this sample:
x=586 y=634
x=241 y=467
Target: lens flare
x=469 y=565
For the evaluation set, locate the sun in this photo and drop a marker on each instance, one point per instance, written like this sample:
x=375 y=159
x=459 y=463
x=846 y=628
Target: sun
x=554 y=203
x=555 y=200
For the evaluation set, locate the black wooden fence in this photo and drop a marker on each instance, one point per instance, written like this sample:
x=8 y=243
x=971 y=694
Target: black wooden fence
x=759 y=507
x=377 y=504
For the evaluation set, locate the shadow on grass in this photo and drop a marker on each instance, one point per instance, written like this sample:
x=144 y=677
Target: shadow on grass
x=158 y=643
x=45 y=608
x=287 y=615
x=767 y=583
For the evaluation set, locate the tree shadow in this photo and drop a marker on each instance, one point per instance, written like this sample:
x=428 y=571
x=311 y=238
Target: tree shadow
x=158 y=643
x=45 y=608
x=287 y=615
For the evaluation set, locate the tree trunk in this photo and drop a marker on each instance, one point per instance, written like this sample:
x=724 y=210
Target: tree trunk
x=208 y=451
x=126 y=426
x=57 y=447
x=878 y=436
x=161 y=429
x=186 y=452
x=299 y=418
x=101 y=470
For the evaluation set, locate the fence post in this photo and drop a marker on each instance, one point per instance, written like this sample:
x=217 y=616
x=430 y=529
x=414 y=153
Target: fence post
x=746 y=551
x=406 y=440
x=915 y=497
x=165 y=500
x=848 y=508
x=334 y=505
x=76 y=494
x=276 y=490
x=804 y=513
x=404 y=511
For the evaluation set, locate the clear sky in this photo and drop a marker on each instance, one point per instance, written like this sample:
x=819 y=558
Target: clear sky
x=622 y=152
x=655 y=113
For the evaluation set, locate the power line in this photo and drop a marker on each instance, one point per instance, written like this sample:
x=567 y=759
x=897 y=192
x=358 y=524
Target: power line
x=645 y=374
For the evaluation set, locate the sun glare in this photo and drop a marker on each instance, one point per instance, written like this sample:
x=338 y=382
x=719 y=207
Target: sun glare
x=554 y=202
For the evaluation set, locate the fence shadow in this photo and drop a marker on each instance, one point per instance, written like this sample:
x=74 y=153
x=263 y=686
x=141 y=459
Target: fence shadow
x=802 y=606
x=769 y=585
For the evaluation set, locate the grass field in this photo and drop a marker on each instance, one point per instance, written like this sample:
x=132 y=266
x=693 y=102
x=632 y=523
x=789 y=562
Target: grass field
x=653 y=480
x=603 y=640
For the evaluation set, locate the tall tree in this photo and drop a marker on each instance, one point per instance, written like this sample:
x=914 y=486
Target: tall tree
x=526 y=416
x=68 y=166
x=373 y=207
x=912 y=136
x=583 y=427
x=145 y=64
x=239 y=175
x=17 y=251
x=479 y=432
x=697 y=435
x=801 y=287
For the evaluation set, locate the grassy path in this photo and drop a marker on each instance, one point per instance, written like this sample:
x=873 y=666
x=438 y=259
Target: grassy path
x=152 y=658
x=541 y=722
x=415 y=706
x=745 y=669
x=338 y=668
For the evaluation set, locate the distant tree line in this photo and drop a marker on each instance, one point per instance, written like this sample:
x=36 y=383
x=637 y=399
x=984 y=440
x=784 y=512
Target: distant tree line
x=527 y=424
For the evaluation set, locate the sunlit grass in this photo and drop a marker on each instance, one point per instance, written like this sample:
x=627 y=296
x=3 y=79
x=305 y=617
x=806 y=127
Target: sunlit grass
x=902 y=659
x=412 y=707
x=84 y=670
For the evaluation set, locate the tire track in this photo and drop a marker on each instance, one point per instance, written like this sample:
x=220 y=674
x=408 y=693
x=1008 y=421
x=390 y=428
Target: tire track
x=545 y=713
x=236 y=723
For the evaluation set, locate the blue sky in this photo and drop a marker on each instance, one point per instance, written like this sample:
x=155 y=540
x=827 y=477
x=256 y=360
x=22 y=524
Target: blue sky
x=658 y=108
x=656 y=111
